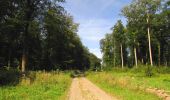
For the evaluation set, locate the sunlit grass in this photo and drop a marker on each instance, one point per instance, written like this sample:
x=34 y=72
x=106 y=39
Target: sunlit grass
x=46 y=86
x=124 y=85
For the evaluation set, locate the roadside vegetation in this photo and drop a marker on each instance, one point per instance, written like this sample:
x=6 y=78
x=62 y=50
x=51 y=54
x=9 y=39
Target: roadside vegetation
x=39 y=39
x=131 y=84
x=136 y=56
x=38 y=86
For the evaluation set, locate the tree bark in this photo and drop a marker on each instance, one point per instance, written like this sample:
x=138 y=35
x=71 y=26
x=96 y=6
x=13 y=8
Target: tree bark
x=121 y=54
x=159 y=55
x=136 y=62
x=149 y=40
x=24 y=52
x=23 y=61
x=9 y=57
x=114 y=54
x=27 y=18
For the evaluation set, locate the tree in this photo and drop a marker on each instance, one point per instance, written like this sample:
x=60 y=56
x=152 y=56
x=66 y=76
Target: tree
x=43 y=34
x=161 y=28
x=145 y=39
x=94 y=62
x=113 y=46
x=119 y=35
x=132 y=27
x=107 y=50
x=139 y=10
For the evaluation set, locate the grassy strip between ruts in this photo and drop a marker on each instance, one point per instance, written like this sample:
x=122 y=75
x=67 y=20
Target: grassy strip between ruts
x=120 y=85
x=46 y=86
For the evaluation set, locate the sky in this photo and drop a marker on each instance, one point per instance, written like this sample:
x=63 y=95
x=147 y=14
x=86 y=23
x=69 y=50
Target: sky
x=95 y=18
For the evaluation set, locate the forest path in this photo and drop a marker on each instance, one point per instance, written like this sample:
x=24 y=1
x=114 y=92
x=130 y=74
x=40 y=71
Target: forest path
x=83 y=89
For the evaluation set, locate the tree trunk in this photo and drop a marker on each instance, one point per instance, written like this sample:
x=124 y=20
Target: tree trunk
x=136 y=62
x=114 y=54
x=25 y=50
x=159 y=55
x=9 y=57
x=149 y=40
x=121 y=54
x=27 y=18
x=23 y=61
x=101 y=68
x=142 y=61
x=166 y=63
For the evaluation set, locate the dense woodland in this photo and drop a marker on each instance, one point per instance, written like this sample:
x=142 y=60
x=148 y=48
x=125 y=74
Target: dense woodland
x=42 y=56
x=41 y=35
x=144 y=40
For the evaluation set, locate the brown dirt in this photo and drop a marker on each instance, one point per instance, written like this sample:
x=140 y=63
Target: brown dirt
x=83 y=89
x=161 y=93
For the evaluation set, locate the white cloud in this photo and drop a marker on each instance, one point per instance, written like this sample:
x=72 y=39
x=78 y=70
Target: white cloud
x=95 y=17
x=96 y=51
x=94 y=8
x=92 y=31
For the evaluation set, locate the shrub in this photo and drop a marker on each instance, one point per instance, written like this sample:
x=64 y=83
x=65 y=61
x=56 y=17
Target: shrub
x=9 y=76
x=149 y=71
x=77 y=73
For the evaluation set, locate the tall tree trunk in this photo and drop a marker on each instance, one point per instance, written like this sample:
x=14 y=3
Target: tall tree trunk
x=149 y=40
x=166 y=63
x=114 y=54
x=159 y=54
x=24 y=56
x=23 y=61
x=27 y=19
x=9 y=57
x=136 y=62
x=25 y=50
x=121 y=54
x=101 y=68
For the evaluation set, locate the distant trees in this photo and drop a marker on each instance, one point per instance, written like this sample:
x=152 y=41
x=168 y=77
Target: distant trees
x=119 y=36
x=40 y=34
x=95 y=63
x=107 y=47
x=113 y=46
x=146 y=37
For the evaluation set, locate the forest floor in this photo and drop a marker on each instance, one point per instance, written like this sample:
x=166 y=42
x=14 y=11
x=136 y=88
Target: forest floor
x=83 y=89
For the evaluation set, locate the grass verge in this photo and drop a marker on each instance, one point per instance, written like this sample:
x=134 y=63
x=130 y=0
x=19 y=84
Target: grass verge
x=120 y=85
x=45 y=86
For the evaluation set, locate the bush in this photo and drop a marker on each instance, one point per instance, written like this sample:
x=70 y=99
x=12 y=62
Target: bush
x=77 y=73
x=119 y=69
x=149 y=71
x=162 y=70
x=9 y=76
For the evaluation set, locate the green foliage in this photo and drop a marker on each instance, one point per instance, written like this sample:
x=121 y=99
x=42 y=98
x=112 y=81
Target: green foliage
x=149 y=72
x=43 y=34
x=95 y=63
x=134 y=37
x=46 y=86
x=111 y=46
x=77 y=73
x=9 y=76
x=154 y=70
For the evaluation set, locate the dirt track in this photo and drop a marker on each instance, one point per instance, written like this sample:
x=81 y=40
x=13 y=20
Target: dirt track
x=83 y=89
